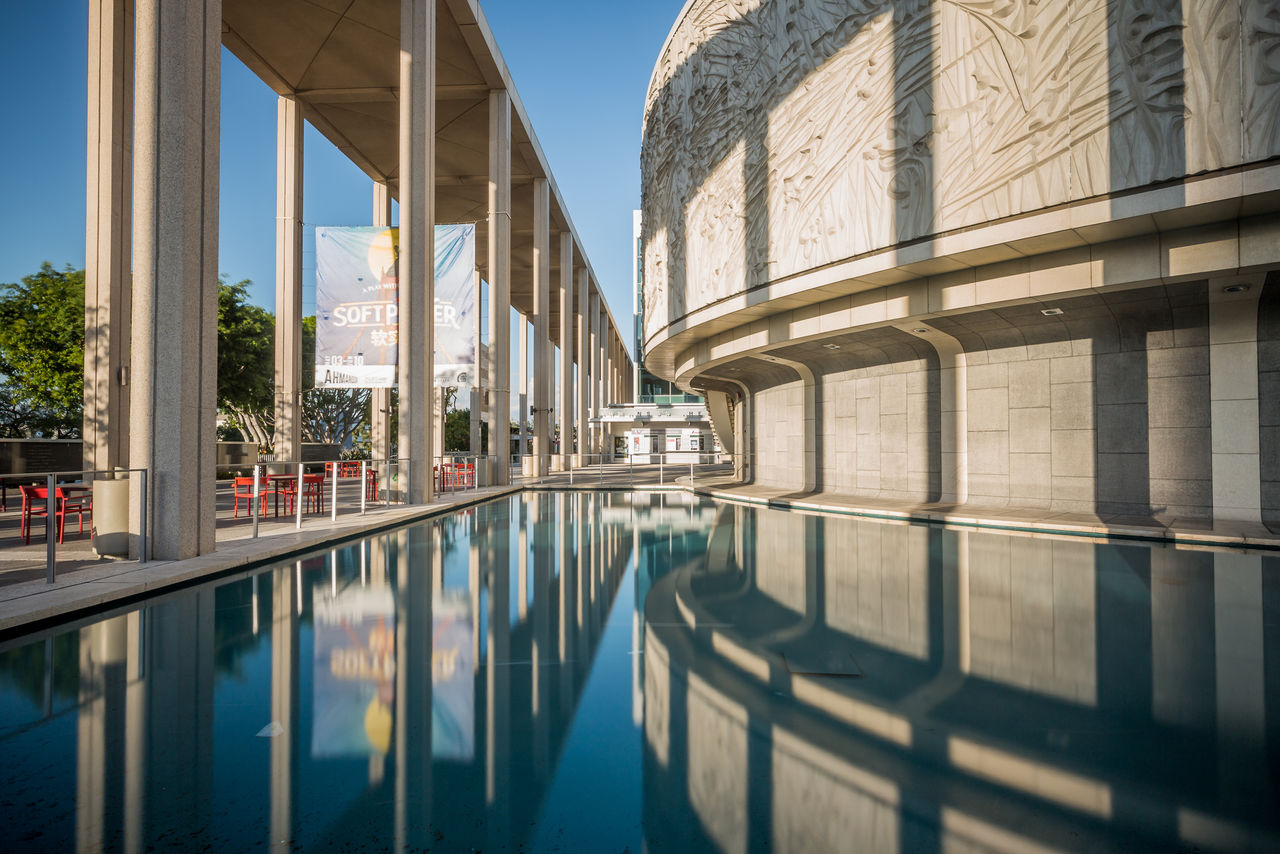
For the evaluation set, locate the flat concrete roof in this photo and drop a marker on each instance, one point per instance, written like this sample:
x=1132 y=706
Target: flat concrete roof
x=340 y=59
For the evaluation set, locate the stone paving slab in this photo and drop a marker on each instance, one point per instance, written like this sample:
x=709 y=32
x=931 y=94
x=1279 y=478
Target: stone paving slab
x=1191 y=533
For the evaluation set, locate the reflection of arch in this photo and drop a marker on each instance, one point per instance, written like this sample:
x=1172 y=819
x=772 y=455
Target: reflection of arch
x=926 y=754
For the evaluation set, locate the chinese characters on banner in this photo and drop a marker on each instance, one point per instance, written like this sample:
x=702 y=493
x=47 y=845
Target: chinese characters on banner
x=357 y=317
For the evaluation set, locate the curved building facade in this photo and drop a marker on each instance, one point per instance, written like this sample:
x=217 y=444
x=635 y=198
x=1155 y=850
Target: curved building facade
x=1016 y=255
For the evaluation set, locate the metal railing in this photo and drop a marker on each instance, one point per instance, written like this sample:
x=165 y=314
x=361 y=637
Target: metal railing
x=656 y=469
x=308 y=484
x=66 y=493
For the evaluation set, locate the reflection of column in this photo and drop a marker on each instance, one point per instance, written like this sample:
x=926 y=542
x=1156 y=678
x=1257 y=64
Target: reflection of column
x=542 y=655
x=100 y=730
x=284 y=706
x=108 y=209
x=474 y=580
x=500 y=282
x=1182 y=648
x=522 y=567
x=417 y=242
x=288 y=343
x=498 y=679
x=175 y=272
x=580 y=568
x=542 y=378
x=1244 y=781
x=415 y=667
x=179 y=695
x=135 y=752
x=380 y=398
x=567 y=597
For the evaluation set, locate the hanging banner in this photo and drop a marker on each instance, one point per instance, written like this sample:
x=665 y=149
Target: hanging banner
x=357 y=316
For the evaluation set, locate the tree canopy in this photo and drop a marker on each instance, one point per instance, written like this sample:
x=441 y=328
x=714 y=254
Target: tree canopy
x=246 y=361
x=42 y=354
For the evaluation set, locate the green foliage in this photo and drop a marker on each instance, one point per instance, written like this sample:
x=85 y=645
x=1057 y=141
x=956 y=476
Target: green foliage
x=457 y=431
x=246 y=361
x=42 y=354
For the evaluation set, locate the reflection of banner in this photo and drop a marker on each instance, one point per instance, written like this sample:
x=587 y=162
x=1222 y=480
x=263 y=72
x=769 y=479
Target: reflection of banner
x=452 y=679
x=357 y=321
x=355 y=672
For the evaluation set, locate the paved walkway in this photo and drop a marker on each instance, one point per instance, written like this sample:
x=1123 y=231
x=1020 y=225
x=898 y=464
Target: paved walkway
x=84 y=582
x=1182 y=531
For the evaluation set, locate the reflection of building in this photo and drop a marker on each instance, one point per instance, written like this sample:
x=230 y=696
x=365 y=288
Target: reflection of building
x=203 y=720
x=931 y=253
x=909 y=688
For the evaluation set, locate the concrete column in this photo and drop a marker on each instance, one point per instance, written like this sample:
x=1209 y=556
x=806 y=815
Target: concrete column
x=288 y=385
x=380 y=398
x=417 y=242
x=477 y=370
x=524 y=390
x=542 y=377
x=581 y=389
x=593 y=370
x=499 y=283
x=954 y=390
x=566 y=348
x=1233 y=394
x=108 y=214
x=175 y=272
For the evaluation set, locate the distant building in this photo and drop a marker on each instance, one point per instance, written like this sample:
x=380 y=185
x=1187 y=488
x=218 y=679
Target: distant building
x=662 y=419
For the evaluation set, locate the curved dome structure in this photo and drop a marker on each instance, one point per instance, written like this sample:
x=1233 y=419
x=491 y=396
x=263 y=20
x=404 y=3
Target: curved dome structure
x=1016 y=255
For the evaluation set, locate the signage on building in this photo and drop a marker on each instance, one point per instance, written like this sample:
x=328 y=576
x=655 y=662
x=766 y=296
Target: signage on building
x=357 y=306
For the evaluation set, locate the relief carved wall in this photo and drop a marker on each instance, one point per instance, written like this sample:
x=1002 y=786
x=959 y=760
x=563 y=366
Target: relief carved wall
x=783 y=135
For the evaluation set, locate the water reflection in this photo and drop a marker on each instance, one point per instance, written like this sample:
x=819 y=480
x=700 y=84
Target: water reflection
x=582 y=671
x=842 y=684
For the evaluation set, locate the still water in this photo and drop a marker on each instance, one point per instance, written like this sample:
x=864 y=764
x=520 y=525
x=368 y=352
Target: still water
x=618 y=672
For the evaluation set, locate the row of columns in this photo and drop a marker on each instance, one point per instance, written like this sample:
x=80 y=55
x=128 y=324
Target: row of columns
x=151 y=310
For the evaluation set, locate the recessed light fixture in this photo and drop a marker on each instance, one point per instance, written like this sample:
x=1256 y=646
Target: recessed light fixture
x=1051 y=312
x=1235 y=289
x=832 y=346
x=921 y=330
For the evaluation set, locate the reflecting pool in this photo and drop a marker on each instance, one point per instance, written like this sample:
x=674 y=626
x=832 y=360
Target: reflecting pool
x=614 y=672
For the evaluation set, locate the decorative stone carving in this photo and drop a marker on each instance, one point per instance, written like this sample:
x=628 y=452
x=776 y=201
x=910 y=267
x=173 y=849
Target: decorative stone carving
x=784 y=136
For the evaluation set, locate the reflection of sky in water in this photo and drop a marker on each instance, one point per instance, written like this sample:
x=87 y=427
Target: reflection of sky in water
x=679 y=675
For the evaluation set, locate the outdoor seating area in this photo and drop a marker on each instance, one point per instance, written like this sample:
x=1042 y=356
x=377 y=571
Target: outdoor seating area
x=68 y=499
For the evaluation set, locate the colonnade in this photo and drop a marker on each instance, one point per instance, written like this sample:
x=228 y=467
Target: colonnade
x=151 y=341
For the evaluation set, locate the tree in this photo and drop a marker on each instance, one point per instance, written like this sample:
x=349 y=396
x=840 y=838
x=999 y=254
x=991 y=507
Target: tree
x=246 y=362
x=42 y=354
x=330 y=415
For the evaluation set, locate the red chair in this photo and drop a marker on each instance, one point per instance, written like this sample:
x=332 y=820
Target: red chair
x=35 y=504
x=244 y=492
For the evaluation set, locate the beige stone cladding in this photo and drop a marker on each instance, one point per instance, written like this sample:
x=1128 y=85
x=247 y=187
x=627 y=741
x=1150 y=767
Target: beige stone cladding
x=780 y=137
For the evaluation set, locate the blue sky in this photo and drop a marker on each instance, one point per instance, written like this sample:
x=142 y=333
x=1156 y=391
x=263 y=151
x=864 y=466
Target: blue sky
x=580 y=66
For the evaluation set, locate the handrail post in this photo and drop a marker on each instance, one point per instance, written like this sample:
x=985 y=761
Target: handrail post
x=364 y=486
x=257 y=474
x=51 y=545
x=333 y=510
x=661 y=457
x=298 y=498
x=144 y=552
